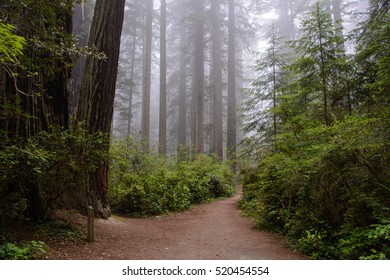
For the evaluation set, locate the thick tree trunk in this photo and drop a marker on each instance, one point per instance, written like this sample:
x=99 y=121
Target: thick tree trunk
x=217 y=79
x=231 y=117
x=95 y=106
x=163 y=81
x=147 y=76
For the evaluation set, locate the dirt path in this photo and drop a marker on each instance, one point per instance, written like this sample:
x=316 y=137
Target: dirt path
x=210 y=231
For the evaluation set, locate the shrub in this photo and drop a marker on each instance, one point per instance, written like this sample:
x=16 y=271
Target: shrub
x=156 y=186
x=46 y=171
x=329 y=193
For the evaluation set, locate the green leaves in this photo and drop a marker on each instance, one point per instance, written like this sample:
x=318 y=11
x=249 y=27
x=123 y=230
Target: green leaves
x=11 y=45
x=144 y=185
x=326 y=182
x=12 y=251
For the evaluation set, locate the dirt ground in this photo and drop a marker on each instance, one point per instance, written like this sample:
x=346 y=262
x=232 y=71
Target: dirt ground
x=215 y=231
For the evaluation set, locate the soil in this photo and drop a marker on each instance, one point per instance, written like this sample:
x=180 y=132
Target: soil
x=214 y=231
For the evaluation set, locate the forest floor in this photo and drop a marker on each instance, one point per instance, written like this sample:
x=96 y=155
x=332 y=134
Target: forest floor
x=213 y=231
x=209 y=231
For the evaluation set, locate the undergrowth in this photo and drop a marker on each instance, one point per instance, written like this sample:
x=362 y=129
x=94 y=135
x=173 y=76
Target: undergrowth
x=329 y=194
x=144 y=185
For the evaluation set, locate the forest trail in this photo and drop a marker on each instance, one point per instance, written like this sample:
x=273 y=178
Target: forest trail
x=214 y=231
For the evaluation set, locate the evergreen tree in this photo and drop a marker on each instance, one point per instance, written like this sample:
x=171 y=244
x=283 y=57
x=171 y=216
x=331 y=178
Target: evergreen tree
x=263 y=92
x=319 y=66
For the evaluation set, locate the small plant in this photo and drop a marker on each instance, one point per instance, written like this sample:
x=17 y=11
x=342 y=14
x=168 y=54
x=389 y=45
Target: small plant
x=32 y=250
x=59 y=230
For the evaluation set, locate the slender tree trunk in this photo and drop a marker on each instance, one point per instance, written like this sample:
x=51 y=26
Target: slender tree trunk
x=323 y=73
x=198 y=91
x=231 y=116
x=182 y=133
x=96 y=100
x=163 y=80
x=217 y=79
x=147 y=69
x=132 y=82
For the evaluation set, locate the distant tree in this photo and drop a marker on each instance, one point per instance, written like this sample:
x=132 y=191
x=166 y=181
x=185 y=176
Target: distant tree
x=95 y=107
x=198 y=75
x=182 y=100
x=262 y=96
x=147 y=72
x=217 y=79
x=163 y=80
x=231 y=103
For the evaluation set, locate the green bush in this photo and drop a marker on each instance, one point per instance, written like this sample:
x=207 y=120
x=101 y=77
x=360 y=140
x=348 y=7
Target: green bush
x=143 y=185
x=46 y=171
x=329 y=194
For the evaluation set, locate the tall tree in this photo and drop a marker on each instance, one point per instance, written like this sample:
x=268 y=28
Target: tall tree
x=147 y=73
x=132 y=79
x=96 y=101
x=232 y=111
x=217 y=79
x=182 y=133
x=263 y=94
x=163 y=79
x=321 y=63
x=198 y=78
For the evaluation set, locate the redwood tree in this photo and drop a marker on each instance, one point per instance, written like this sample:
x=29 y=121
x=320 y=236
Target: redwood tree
x=231 y=117
x=147 y=72
x=217 y=79
x=95 y=106
x=198 y=78
x=163 y=80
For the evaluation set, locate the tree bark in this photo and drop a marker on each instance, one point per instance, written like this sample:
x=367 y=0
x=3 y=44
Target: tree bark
x=95 y=106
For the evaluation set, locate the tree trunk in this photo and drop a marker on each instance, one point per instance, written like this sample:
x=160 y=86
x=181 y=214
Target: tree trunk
x=132 y=82
x=198 y=81
x=231 y=116
x=163 y=81
x=147 y=69
x=95 y=106
x=182 y=133
x=217 y=79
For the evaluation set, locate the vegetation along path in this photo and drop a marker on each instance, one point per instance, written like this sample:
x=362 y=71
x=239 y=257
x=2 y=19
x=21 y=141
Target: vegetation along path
x=209 y=231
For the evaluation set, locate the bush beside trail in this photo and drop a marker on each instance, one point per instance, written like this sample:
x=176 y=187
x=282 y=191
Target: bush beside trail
x=144 y=185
